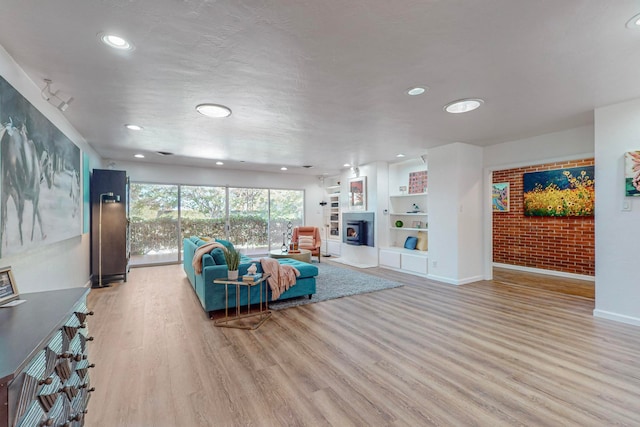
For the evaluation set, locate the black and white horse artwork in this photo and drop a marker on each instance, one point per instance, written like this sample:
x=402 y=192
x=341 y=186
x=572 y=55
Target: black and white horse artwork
x=41 y=190
x=21 y=176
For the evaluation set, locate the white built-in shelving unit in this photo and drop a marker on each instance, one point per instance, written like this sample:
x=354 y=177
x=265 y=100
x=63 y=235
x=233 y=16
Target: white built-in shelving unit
x=333 y=218
x=412 y=211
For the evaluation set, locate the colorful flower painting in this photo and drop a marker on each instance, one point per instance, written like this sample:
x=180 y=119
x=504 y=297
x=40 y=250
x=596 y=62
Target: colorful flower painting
x=561 y=192
x=500 y=197
x=632 y=174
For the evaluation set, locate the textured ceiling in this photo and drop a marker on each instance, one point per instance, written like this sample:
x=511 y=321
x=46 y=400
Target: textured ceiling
x=322 y=82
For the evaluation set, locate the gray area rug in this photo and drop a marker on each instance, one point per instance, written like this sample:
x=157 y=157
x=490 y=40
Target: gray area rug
x=336 y=282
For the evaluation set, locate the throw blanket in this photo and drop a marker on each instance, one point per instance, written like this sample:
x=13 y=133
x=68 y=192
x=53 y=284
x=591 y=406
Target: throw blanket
x=282 y=276
x=204 y=249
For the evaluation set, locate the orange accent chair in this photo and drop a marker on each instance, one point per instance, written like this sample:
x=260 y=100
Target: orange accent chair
x=307 y=238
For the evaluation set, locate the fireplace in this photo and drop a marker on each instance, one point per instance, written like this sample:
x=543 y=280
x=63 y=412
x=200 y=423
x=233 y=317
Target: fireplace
x=356 y=232
x=358 y=228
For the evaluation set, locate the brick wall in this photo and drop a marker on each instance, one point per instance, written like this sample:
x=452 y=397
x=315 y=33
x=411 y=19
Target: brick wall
x=552 y=243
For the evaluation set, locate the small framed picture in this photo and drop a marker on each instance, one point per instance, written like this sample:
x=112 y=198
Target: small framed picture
x=500 y=196
x=416 y=224
x=8 y=288
x=358 y=193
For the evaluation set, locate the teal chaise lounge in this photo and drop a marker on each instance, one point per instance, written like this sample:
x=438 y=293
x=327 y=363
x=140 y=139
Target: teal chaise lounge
x=212 y=296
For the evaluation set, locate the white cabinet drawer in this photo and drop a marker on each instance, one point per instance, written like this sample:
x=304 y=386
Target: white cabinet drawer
x=414 y=263
x=389 y=259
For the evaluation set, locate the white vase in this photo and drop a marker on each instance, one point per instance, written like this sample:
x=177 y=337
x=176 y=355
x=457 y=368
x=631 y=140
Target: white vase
x=232 y=274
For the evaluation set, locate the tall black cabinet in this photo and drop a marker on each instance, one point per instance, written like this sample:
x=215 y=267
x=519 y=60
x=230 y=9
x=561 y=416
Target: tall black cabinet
x=109 y=189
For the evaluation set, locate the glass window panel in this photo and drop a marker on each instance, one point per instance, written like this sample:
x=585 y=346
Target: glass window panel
x=203 y=211
x=249 y=219
x=153 y=218
x=287 y=212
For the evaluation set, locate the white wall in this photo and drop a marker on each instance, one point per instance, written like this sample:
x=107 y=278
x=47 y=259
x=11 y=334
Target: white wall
x=169 y=174
x=455 y=213
x=568 y=144
x=617 y=130
x=62 y=264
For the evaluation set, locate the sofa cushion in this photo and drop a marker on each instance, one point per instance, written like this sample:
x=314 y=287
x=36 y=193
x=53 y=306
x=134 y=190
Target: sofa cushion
x=227 y=244
x=422 y=244
x=218 y=256
x=411 y=242
x=305 y=269
x=306 y=242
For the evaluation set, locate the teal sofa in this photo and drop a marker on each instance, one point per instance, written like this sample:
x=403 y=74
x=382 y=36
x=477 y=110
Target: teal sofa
x=212 y=296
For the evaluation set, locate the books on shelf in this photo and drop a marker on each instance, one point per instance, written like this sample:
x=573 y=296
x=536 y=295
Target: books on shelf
x=251 y=277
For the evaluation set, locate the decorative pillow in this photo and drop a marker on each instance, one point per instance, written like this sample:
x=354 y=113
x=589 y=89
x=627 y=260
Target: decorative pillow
x=422 y=241
x=411 y=242
x=227 y=244
x=218 y=256
x=305 y=242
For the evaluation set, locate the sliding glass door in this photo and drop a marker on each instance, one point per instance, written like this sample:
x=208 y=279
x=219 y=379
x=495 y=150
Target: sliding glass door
x=203 y=211
x=253 y=219
x=153 y=219
x=286 y=212
x=249 y=219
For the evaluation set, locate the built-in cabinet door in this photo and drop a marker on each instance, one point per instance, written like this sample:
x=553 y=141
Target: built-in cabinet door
x=414 y=263
x=389 y=259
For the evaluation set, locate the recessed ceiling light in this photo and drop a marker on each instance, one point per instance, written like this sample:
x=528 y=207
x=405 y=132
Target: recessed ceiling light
x=139 y=156
x=115 y=41
x=133 y=127
x=400 y=155
x=219 y=163
x=418 y=90
x=284 y=168
x=634 y=22
x=346 y=165
x=463 y=105
x=213 y=110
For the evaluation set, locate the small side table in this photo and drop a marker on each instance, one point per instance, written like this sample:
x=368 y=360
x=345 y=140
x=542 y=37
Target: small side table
x=263 y=313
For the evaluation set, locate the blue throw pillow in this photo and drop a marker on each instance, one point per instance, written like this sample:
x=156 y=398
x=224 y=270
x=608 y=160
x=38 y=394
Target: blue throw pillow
x=411 y=242
x=218 y=256
x=227 y=244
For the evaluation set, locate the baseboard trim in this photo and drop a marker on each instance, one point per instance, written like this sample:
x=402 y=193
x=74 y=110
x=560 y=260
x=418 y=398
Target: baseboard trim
x=455 y=282
x=616 y=317
x=547 y=272
x=353 y=263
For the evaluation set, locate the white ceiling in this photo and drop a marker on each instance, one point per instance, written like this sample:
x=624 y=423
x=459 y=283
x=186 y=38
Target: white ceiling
x=322 y=82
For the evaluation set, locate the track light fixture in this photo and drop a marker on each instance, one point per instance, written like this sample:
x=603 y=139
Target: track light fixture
x=54 y=98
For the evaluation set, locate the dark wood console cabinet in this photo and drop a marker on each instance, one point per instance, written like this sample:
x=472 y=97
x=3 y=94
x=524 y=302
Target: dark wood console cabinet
x=44 y=363
x=109 y=190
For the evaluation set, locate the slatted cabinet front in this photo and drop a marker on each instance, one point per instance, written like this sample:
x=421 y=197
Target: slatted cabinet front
x=55 y=387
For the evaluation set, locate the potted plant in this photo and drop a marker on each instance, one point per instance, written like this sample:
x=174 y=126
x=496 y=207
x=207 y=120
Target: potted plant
x=232 y=257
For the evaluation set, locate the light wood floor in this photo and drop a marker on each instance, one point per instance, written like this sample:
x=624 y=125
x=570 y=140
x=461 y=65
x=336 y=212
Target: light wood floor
x=485 y=354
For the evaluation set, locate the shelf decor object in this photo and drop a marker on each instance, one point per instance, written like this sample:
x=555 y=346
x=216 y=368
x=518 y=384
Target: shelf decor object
x=399 y=224
x=358 y=193
x=8 y=288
